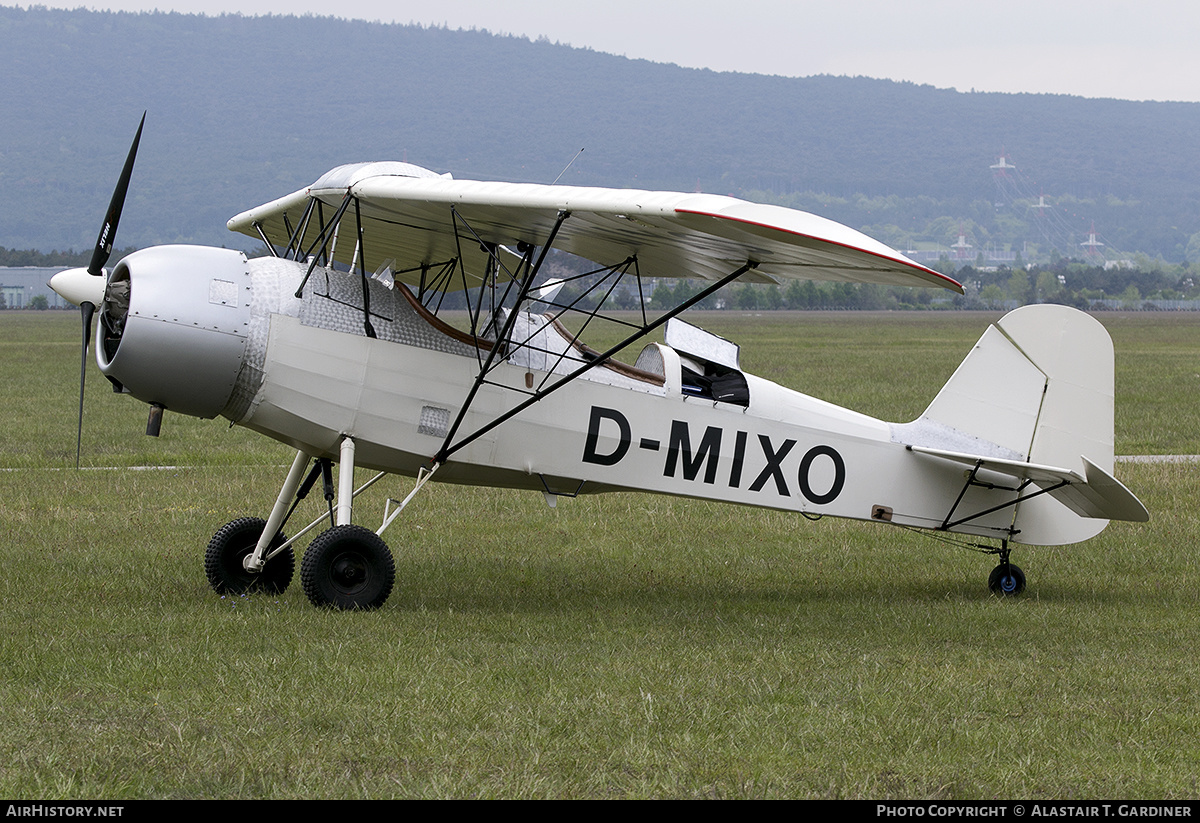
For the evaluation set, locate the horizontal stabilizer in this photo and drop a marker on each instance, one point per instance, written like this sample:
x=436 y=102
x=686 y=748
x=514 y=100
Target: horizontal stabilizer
x=1096 y=493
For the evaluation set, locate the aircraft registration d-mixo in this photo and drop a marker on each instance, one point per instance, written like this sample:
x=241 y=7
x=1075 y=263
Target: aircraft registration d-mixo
x=334 y=345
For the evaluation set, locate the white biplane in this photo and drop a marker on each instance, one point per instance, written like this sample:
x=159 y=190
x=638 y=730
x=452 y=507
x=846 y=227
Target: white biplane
x=334 y=345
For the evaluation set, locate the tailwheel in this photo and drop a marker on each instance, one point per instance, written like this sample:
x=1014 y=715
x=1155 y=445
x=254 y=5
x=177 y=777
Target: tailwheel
x=231 y=545
x=1006 y=580
x=348 y=567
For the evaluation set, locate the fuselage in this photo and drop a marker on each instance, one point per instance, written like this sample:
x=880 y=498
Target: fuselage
x=304 y=372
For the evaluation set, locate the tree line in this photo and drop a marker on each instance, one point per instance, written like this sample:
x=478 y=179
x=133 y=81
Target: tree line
x=1147 y=284
x=1069 y=282
x=32 y=258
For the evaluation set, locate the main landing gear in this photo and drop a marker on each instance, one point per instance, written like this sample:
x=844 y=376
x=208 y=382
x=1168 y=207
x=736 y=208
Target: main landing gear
x=348 y=567
x=1007 y=579
x=345 y=567
x=226 y=554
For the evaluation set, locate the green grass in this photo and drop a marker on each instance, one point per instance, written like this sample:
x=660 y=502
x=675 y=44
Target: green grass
x=620 y=646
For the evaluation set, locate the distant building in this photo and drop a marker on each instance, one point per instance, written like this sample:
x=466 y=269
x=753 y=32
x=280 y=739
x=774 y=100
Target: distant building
x=20 y=285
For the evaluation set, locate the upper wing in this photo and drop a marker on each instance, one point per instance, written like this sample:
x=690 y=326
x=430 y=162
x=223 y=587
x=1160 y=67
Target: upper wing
x=418 y=218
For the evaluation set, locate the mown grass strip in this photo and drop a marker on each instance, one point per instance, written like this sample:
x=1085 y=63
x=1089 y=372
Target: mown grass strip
x=617 y=646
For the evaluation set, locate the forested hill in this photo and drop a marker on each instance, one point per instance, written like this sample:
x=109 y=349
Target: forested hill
x=246 y=109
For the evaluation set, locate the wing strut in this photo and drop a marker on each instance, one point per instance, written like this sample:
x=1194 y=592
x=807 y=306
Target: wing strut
x=258 y=227
x=621 y=269
x=522 y=293
x=361 y=254
x=297 y=238
x=324 y=237
x=435 y=285
x=449 y=448
x=494 y=265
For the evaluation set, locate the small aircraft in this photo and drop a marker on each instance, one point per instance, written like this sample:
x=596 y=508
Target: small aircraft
x=337 y=345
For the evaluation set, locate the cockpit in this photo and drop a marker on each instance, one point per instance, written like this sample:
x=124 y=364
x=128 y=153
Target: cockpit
x=704 y=364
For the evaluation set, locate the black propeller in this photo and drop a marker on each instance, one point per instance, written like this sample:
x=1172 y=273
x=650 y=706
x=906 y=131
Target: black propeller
x=87 y=308
x=104 y=246
x=104 y=242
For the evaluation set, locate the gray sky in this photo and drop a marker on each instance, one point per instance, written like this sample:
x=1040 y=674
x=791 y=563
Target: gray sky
x=1143 y=50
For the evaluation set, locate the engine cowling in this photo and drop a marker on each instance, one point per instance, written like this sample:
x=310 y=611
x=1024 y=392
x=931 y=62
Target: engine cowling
x=174 y=325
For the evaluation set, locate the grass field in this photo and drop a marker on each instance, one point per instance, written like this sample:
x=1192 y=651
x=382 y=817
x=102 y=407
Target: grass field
x=620 y=646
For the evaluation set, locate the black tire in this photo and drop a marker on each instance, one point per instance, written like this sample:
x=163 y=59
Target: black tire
x=1006 y=580
x=232 y=543
x=348 y=567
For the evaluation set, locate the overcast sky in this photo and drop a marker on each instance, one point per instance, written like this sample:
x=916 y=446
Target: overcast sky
x=1143 y=50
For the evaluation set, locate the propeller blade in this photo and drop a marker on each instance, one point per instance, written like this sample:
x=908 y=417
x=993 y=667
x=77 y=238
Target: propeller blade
x=79 y=289
x=87 y=309
x=104 y=242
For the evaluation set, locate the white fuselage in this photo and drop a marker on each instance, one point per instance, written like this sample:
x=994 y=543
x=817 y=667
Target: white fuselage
x=312 y=378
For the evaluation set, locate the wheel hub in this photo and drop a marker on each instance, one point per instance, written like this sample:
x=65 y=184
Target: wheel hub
x=348 y=572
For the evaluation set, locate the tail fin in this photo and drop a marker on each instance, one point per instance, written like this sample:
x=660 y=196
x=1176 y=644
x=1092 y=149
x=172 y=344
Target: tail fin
x=1037 y=388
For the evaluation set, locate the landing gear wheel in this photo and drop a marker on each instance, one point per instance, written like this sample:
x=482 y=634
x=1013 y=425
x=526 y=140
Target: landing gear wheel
x=1006 y=580
x=348 y=567
x=233 y=543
